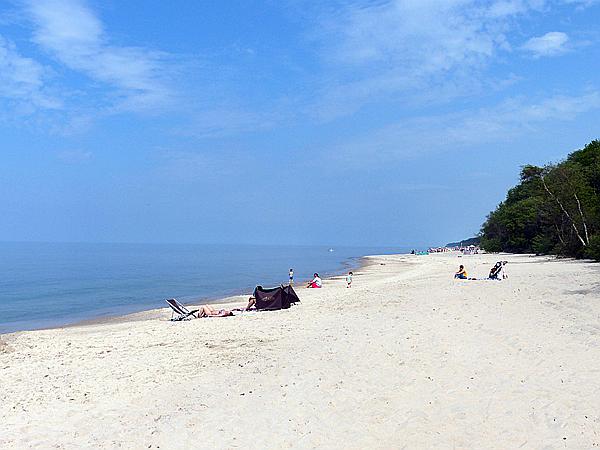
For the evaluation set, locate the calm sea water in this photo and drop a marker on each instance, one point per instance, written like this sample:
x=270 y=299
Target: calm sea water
x=53 y=284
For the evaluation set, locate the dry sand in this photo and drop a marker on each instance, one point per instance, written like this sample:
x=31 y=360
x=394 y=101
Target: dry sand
x=407 y=358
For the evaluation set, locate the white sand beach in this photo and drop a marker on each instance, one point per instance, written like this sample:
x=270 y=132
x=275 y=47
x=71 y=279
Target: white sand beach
x=406 y=358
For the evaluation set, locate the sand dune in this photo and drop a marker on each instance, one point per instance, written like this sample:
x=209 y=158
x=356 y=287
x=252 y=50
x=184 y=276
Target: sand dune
x=406 y=358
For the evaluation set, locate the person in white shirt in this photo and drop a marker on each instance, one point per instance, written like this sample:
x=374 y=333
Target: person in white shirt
x=316 y=282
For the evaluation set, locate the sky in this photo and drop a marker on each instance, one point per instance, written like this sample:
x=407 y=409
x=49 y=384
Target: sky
x=399 y=122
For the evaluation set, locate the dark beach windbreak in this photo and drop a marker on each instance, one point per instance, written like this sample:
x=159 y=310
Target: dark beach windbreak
x=280 y=297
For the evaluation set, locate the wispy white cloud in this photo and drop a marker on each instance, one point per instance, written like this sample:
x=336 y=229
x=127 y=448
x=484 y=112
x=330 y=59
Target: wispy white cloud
x=399 y=47
x=70 y=32
x=115 y=78
x=420 y=136
x=22 y=80
x=550 y=44
x=437 y=35
x=513 y=117
x=403 y=50
x=506 y=8
x=582 y=3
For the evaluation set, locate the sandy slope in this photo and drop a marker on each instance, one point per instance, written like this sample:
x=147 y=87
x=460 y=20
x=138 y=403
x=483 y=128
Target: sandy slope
x=407 y=358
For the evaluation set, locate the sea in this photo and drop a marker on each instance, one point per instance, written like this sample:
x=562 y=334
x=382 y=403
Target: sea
x=45 y=285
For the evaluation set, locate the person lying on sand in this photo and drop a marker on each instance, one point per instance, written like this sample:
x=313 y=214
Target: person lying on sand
x=209 y=311
x=461 y=274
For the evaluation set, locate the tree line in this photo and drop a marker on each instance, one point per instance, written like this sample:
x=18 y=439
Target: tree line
x=555 y=209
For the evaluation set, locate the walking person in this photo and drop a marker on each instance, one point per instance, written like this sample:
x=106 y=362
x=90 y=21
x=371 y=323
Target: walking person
x=349 y=279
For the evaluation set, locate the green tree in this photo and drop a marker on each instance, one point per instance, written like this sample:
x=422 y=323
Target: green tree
x=554 y=209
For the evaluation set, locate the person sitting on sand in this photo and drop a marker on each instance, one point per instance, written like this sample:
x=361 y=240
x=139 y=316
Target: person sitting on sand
x=461 y=274
x=209 y=311
x=316 y=282
x=251 y=303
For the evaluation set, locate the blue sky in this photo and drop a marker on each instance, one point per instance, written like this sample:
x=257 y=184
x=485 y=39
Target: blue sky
x=289 y=122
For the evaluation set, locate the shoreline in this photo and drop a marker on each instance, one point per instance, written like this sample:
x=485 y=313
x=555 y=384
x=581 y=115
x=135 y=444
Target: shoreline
x=218 y=300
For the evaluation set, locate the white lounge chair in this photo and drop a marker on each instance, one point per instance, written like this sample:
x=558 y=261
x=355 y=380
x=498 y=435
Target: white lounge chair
x=179 y=311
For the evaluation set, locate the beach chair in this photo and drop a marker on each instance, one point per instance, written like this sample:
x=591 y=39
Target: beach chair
x=179 y=311
x=498 y=270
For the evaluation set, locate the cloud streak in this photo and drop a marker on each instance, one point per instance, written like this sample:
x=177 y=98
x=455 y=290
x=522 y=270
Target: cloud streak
x=411 y=50
x=72 y=34
x=22 y=80
x=550 y=44
x=417 y=137
x=400 y=47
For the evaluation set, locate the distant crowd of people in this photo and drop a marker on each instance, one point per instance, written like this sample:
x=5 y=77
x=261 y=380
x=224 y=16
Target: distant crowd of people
x=466 y=250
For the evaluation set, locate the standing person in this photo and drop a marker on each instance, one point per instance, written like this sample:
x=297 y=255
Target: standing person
x=291 y=277
x=349 y=279
x=316 y=282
